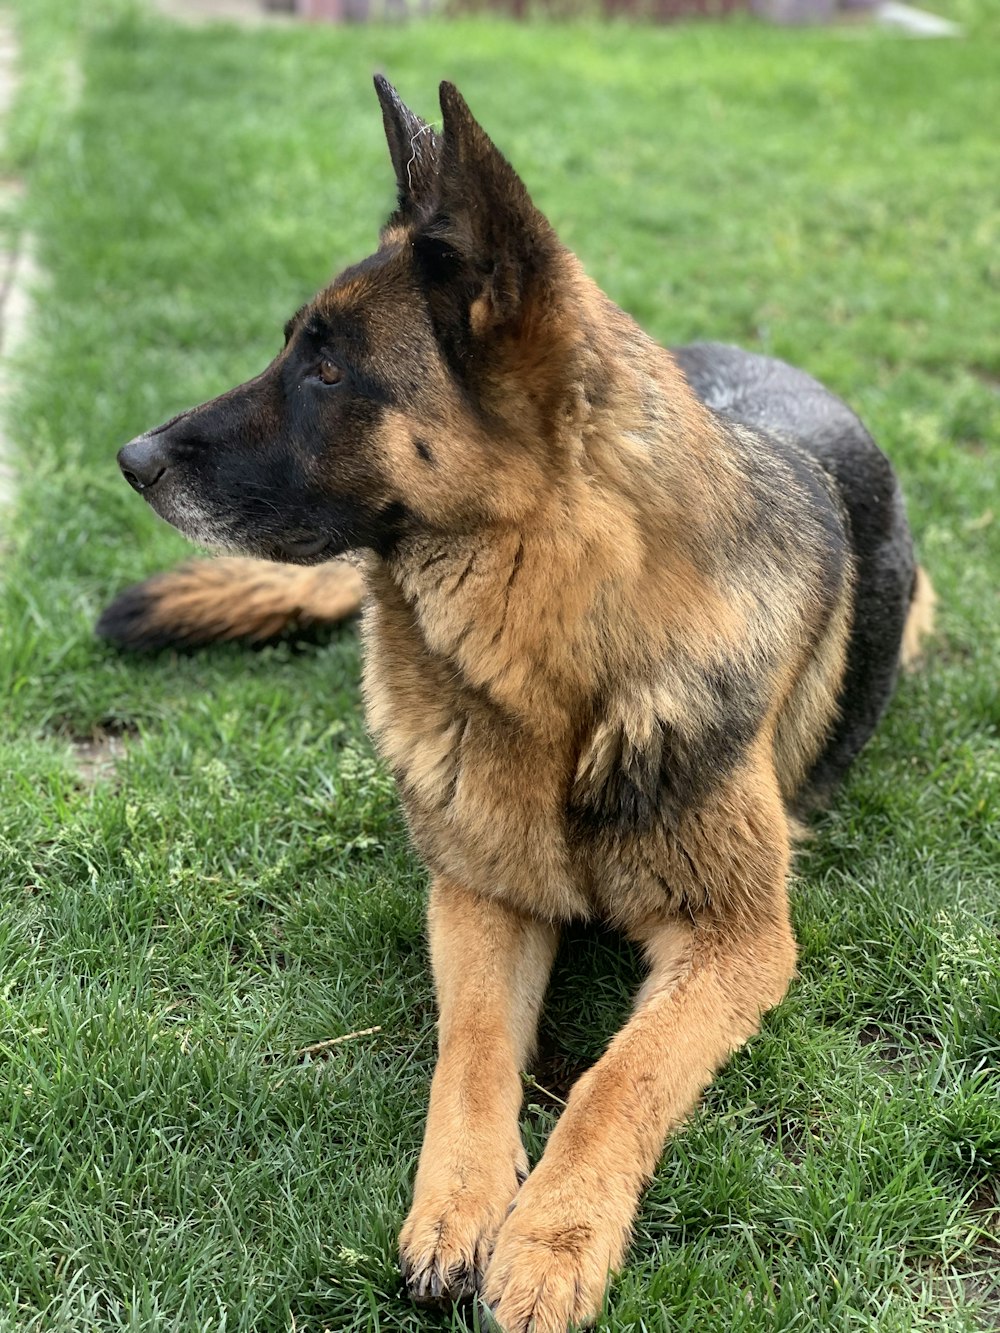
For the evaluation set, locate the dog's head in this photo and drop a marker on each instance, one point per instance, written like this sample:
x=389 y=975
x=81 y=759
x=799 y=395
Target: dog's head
x=415 y=393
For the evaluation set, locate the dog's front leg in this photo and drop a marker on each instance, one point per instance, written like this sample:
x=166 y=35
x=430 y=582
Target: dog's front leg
x=491 y=966
x=572 y=1219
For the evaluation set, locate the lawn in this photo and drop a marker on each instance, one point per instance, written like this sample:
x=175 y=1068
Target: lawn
x=186 y=913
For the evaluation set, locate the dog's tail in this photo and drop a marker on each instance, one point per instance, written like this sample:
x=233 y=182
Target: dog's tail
x=919 y=621
x=209 y=601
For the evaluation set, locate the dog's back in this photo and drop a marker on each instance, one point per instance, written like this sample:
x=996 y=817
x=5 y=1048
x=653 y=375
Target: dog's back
x=792 y=408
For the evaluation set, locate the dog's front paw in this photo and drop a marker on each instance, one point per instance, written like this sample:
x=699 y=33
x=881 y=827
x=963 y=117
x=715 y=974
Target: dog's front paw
x=552 y=1260
x=447 y=1240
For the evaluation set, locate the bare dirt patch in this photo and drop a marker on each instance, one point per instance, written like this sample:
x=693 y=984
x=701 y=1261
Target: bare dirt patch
x=97 y=756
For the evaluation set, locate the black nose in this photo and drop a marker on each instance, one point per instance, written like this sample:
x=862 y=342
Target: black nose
x=143 y=462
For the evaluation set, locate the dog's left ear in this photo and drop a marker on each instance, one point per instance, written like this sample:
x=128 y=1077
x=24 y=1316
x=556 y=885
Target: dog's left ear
x=414 y=149
x=486 y=241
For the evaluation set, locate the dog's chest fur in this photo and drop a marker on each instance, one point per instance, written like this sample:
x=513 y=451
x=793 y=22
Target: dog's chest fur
x=484 y=782
x=544 y=760
x=503 y=806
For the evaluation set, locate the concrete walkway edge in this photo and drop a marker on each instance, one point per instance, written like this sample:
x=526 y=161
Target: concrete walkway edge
x=17 y=269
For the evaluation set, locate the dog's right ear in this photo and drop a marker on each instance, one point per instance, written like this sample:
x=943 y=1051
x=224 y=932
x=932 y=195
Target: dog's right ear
x=415 y=151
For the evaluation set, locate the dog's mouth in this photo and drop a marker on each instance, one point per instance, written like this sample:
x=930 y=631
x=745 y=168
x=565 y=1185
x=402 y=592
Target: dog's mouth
x=153 y=472
x=303 y=550
x=217 y=532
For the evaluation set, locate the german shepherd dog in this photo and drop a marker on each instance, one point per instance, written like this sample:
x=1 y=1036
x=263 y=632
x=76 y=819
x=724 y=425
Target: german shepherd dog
x=628 y=613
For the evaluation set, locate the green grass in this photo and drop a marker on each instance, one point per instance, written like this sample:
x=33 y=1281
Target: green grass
x=239 y=885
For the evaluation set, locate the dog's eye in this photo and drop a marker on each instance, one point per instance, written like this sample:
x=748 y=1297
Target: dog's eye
x=329 y=373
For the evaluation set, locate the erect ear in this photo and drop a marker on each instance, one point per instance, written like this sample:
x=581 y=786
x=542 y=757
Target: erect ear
x=486 y=236
x=414 y=149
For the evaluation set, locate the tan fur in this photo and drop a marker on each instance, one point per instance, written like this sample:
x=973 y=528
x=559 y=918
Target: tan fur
x=812 y=701
x=572 y=1218
x=483 y=652
x=216 y=600
x=710 y=979
x=919 y=623
x=490 y=968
